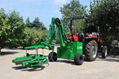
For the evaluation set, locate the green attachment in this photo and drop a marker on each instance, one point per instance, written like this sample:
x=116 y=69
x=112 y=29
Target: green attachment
x=30 y=61
x=34 y=59
x=67 y=49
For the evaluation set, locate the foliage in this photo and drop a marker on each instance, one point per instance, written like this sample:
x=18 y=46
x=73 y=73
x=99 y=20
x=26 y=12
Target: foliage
x=14 y=32
x=33 y=36
x=2 y=29
x=73 y=9
x=105 y=15
x=28 y=23
x=11 y=28
x=36 y=23
x=34 y=32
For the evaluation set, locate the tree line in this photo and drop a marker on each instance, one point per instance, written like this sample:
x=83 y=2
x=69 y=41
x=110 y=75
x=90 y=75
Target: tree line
x=102 y=14
x=15 y=32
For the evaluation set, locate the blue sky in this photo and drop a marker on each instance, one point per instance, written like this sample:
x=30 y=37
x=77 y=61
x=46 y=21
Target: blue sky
x=44 y=9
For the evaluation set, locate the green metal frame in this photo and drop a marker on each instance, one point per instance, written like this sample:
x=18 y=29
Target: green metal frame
x=31 y=60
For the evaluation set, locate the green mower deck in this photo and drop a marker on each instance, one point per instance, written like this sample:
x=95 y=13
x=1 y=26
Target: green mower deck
x=31 y=60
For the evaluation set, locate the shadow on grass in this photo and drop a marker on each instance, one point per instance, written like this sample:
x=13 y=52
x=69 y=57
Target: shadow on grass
x=7 y=53
x=29 y=69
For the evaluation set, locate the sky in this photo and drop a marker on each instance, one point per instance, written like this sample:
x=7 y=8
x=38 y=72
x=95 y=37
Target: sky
x=44 y=9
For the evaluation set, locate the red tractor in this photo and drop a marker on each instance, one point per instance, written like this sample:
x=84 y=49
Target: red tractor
x=93 y=43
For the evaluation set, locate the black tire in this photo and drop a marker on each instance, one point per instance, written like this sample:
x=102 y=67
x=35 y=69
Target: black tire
x=104 y=52
x=91 y=51
x=52 y=56
x=78 y=59
x=27 y=54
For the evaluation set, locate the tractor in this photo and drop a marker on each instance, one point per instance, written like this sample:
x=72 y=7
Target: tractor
x=93 y=44
x=77 y=47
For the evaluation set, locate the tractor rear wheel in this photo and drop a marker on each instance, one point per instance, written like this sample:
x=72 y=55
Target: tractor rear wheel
x=104 y=52
x=52 y=56
x=91 y=50
x=78 y=59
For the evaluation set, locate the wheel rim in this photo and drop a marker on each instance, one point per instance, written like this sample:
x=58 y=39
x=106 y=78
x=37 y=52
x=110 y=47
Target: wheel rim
x=105 y=51
x=94 y=51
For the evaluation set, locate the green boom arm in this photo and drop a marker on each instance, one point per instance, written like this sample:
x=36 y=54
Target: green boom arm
x=56 y=30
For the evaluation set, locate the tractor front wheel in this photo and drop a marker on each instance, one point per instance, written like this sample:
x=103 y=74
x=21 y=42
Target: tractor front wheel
x=104 y=52
x=78 y=59
x=52 y=56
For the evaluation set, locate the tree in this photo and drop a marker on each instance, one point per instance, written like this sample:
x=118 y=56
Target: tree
x=34 y=32
x=73 y=9
x=14 y=32
x=11 y=29
x=105 y=14
x=16 y=28
x=2 y=29
x=33 y=36
x=28 y=23
x=36 y=23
